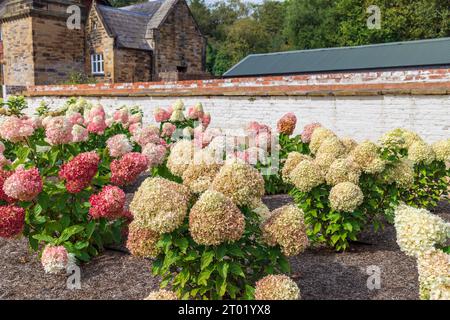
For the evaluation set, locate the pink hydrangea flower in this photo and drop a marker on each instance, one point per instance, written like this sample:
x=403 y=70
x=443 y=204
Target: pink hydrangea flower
x=12 y=221
x=168 y=129
x=97 y=111
x=15 y=129
x=2 y=147
x=75 y=118
x=286 y=124
x=79 y=171
x=118 y=145
x=146 y=135
x=125 y=170
x=108 y=203
x=121 y=116
x=56 y=259
x=135 y=118
x=161 y=114
x=134 y=127
x=195 y=112
x=23 y=184
x=58 y=131
x=79 y=133
x=4 y=174
x=308 y=131
x=155 y=154
x=97 y=125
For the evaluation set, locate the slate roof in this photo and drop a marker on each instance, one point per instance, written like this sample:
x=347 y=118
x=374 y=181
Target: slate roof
x=128 y=27
x=130 y=24
x=433 y=52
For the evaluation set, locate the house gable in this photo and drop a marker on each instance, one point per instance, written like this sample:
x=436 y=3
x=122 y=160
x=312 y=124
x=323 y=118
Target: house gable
x=99 y=40
x=179 y=46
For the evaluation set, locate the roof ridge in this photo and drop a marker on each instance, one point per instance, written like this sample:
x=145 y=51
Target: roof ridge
x=122 y=11
x=355 y=47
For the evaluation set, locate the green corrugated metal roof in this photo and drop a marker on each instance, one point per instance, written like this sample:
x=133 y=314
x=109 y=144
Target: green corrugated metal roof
x=433 y=52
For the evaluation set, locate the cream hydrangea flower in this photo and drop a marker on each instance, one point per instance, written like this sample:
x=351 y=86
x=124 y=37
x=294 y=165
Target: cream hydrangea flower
x=345 y=197
x=306 y=175
x=402 y=173
x=240 y=182
x=331 y=145
x=421 y=152
x=141 y=242
x=366 y=155
x=341 y=170
x=432 y=266
x=286 y=227
x=400 y=138
x=293 y=159
x=215 y=219
x=440 y=288
x=180 y=157
x=442 y=150
x=162 y=294
x=160 y=205
x=324 y=161
x=276 y=287
x=349 y=144
x=418 y=230
x=201 y=172
x=319 y=135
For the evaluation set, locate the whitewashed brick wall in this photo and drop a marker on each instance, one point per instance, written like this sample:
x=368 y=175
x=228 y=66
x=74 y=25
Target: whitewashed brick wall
x=360 y=117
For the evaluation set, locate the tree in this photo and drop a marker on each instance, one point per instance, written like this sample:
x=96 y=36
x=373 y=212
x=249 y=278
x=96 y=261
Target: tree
x=244 y=36
x=124 y=3
x=310 y=23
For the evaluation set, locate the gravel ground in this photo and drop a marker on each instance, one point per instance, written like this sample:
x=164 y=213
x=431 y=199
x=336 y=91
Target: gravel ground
x=320 y=273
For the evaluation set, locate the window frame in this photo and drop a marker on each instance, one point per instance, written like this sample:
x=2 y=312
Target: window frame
x=97 y=64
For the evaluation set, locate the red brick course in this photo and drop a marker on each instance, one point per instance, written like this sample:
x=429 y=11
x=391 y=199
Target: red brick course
x=420 y=82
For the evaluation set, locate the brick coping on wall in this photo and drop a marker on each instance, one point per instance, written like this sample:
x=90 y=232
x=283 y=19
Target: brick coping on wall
x=399 y=82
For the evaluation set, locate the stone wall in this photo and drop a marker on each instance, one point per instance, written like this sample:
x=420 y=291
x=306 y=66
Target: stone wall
x=362 y=105
x=58 y=51
x=132 y=65
x=99 y=41
x=18 y=52
x=179 y=43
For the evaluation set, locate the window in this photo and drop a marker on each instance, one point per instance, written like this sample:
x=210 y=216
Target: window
x=94 y=25
x=97 y=65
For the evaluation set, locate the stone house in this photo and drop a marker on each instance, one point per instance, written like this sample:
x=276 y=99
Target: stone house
x=48 y=41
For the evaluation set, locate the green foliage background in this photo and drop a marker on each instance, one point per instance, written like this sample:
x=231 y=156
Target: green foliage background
x=236 y=28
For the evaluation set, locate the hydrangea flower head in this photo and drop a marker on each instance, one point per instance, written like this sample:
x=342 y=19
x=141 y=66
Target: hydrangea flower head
x=286 y=124
x=276 y=287
x=12 y=220
x=286 y=227
x=118 y=145
x=345 y=197
x=108 y=203
x=23 y=184
x=56 y=259
x=240 y=182
x=160 y=205
x=79 y=171
x=308 y=131
x=418 y=230
x=215 y=219
x=125 y=170
x=141 y=242
x=58 y=131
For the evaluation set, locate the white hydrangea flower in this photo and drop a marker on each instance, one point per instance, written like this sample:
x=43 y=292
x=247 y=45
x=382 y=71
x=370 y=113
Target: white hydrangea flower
x=418 y=230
